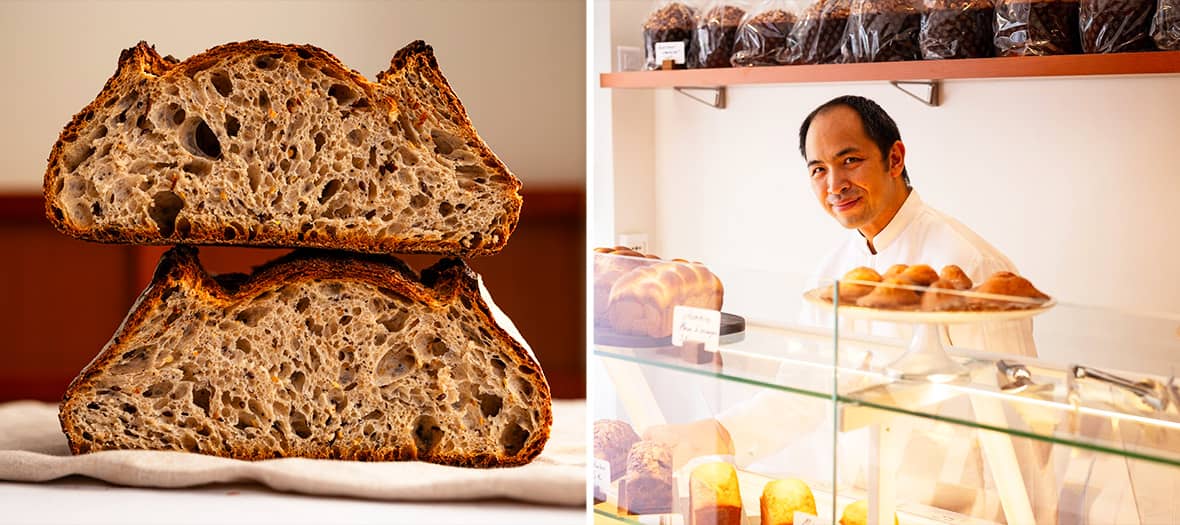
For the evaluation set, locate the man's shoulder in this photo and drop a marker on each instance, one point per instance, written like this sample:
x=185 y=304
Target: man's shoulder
x=952 y=236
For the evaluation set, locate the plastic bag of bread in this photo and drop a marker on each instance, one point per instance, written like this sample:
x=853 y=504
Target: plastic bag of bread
x=818 y=35
x=763 y=33
x=1165 y=26
x=1115 y=26
x=667 y=34
x=1037 y=27
x=883 y=31
x=715 y=33
x=957 y=29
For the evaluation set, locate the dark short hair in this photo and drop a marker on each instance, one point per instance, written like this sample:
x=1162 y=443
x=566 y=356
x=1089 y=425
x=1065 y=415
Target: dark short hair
x=878 y=125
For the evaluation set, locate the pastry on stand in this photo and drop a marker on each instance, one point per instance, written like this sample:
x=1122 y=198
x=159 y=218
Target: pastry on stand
x=782 y=498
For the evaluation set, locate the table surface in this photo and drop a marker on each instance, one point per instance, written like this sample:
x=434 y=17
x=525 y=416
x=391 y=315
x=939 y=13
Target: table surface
x=77 y=499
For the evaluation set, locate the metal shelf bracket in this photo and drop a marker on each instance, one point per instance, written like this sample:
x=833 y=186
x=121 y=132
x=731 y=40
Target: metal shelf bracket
x=930 y=96
x=717 y=95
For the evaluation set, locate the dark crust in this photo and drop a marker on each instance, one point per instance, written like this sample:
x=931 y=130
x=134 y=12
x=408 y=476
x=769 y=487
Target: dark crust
x=417 y=57
x=180 y=267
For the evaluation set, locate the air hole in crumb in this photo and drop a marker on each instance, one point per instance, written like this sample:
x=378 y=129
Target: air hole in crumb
x=395 y=364
x=251 y=316
x=490 y=405
x=445 y=209
x=199 y=167
x=199 y=139
x=357 y=136
x=319 y=141
x=232 y=125
x=263 y=100
x=302 y=305
x=165 y=207
x=344 y=95
x=297 y=380
x=329 y=190
x=418 y=201
x=265 y=62
x=178 y=114
x=221 y=83
x=299 y=425
x=437 y=347
x=243 y=345
x=303 y=53
x=513 y=439
x=201 y=398
x=395 y=323
x=427 y=434
x=129 y=408
x=229 y=233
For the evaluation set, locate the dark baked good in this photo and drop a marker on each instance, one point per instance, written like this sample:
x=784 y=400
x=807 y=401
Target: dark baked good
x=319 y=355
x=1037 y=27
x=1115 y=26
x=607 y=270
x=935 y=300
x=955 y=276
x=891 y=294
x=672 y=24
x=716 y=31
x=612 y=442
x=818 y=35
x=642 y=301
x=1007 y=284
x=957 y=29
x=714 y=496
x=782 y=498
x=760 y=38
x=919 y=275
x=883 y=31
x=647 y=486
x=263 y=144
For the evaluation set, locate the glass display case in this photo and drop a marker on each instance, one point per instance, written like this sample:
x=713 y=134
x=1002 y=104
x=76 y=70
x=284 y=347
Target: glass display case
x=925 y=404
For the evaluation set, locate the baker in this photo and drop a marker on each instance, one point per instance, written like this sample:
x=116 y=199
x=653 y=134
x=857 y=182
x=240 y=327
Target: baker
x=856 y=167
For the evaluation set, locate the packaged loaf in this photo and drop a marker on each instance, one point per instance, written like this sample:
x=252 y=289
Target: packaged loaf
x=818 y=35
x=883 y=31
x=716 y=30
x=957 y=29
x=1116 y=26
x=667 y=35
x=1165 y=25
x=1037 y=27
x=763 y=33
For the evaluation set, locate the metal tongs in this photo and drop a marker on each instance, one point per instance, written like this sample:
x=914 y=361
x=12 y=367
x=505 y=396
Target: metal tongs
x=1015 y=378
x=1154 y=394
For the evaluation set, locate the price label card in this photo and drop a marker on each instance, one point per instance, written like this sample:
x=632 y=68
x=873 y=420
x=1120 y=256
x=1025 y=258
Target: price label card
x=803 y=518
x=601 y=474
x=698 y=325
x=673 y=51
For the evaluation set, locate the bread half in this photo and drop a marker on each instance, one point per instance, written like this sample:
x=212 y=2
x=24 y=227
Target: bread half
x=264 y=144
x=316 y=354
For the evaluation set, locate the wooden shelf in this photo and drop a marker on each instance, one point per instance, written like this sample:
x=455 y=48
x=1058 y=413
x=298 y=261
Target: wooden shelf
x=1145 y=63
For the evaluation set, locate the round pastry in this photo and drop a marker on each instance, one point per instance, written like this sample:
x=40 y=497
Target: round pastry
x=956 y=276
x=890 y=294
x=612 y=441
x=894 y=271
x=781 y=498
x=857 y=513
x=713 y=494
x=936 y=301
x=1011 y=285
x=851 y=291
x=919 y=275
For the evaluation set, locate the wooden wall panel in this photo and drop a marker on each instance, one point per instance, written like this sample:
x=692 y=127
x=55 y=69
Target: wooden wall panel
x=62 y=299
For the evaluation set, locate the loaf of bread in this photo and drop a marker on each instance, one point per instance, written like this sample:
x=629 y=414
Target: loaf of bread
x=857 y=513
x=782 y=498
x=609 y=265
x=263 y=144
x=641 y=302
x=647 y=485
x=612 y=442
x=319 y=355
x=714 y=495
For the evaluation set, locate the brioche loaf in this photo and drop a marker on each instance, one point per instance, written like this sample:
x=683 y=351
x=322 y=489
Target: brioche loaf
x=609 y=265
x=316 y=354
x=255 y=143
x=641 y=302
x=714 y=496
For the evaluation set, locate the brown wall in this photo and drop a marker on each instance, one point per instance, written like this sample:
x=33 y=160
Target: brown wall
x=61 y=299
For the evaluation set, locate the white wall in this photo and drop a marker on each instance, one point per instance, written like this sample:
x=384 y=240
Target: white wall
x=518 y=65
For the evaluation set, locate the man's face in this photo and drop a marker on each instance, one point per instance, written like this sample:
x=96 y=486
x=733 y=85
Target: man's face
x=852 y=181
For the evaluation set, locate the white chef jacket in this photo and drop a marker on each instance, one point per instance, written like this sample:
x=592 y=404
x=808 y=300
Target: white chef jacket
x=917 y=234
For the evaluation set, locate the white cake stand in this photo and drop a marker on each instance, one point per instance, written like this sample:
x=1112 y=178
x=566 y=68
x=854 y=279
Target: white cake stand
x=926 y=359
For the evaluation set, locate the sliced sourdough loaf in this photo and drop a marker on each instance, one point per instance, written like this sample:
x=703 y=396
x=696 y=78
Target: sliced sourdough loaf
x=255 y=143
x=317 y=354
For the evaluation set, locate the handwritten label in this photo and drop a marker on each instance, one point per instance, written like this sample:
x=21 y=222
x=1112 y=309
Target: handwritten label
x=803 y=518
x=673 y=51
x=696 y=324
x=601 y=475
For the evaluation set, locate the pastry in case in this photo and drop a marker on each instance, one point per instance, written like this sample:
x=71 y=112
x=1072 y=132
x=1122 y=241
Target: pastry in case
x=782 y=498
x=714 y=495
